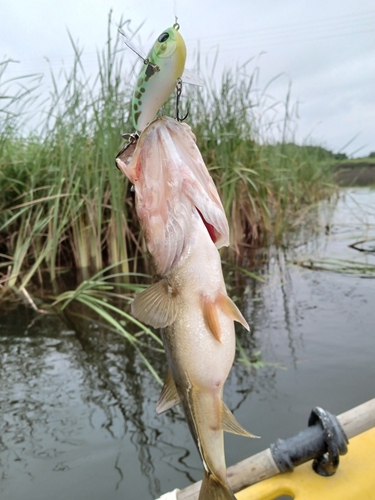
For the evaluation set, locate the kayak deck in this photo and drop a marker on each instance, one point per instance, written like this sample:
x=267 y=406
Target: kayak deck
x=355 y=478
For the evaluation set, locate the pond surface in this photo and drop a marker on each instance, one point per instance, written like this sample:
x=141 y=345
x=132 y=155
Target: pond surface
x=78 y=408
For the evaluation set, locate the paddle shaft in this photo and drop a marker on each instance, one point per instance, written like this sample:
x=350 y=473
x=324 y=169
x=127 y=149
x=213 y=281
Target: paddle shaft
x=262 y=465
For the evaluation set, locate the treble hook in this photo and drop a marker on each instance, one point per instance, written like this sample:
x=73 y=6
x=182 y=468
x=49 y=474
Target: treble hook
x=178 y=96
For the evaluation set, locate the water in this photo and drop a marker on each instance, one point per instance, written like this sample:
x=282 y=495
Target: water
x=77 y=407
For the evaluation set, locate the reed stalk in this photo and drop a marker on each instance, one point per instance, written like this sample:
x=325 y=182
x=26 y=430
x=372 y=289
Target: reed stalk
x=65 y=206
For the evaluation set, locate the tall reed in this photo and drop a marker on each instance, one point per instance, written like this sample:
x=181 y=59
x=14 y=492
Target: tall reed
x=65 y=206
x=264 y=179
x=64 y=203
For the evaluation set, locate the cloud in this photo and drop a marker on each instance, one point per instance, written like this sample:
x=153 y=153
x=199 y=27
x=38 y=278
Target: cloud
x=326 y=49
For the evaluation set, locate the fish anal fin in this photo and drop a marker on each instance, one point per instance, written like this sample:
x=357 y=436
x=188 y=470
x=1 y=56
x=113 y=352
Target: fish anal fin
x=230 y=424
x=156 y=306
x=211 y=318
x=229 y=307
x=169 y=396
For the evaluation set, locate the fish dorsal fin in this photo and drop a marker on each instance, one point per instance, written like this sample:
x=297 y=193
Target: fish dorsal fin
x=229 y=307
x=230 y=424
x=211 y=318
x=169 y=396
x=156 y=306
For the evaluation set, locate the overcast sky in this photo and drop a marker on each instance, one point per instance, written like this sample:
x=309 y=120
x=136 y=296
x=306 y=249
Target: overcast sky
x=325 y=48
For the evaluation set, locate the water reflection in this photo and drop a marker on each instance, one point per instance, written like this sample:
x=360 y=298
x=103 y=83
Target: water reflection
x=58 y=387
x=74 y=397
x=117 y=390
x=78 y=408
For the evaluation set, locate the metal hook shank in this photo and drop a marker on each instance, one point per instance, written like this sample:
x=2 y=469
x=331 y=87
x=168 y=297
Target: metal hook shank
x=178 y=96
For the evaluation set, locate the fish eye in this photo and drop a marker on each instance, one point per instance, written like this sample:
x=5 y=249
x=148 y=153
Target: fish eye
x=163 y=37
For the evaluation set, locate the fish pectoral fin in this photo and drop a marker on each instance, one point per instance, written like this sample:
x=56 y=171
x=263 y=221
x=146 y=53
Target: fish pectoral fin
x=229 y=307
x=230 y=423
x=156 y=306
x=169 y=396
x=211 y=318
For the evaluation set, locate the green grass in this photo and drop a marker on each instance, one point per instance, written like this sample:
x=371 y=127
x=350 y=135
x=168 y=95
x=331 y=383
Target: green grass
x=105 y=297
x=66 y=208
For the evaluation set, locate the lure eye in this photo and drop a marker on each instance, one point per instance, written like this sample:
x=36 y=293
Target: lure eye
x=163 y=37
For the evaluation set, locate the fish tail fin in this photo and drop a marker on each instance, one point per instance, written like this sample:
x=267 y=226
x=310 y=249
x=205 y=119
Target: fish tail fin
x=213 y=489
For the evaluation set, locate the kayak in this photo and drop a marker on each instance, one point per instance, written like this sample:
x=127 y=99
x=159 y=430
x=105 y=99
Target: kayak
x=333 y=459
x=354 y=478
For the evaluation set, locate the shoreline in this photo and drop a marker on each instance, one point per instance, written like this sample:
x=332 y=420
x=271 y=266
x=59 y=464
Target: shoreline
x=355 y=173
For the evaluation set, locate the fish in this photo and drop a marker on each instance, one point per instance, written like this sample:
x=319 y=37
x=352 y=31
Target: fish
x=163 y=66
x=184 y=225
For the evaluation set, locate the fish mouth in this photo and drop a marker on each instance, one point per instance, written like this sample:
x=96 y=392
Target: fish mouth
x=210 y=228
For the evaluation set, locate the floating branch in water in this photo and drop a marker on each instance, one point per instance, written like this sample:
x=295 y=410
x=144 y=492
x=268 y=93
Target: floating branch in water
x=360 y=249
x=338 y=265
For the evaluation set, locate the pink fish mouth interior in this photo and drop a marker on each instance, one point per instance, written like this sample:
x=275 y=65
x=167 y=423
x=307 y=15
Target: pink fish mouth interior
x=210 y=228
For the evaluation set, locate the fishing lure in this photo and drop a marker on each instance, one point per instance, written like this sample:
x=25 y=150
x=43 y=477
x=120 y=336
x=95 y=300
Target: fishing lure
x=163 y=67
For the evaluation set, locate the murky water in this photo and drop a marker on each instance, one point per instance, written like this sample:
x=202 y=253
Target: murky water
x=77 y=408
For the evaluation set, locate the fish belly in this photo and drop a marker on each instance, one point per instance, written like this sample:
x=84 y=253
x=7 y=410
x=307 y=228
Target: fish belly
x=206 y=359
